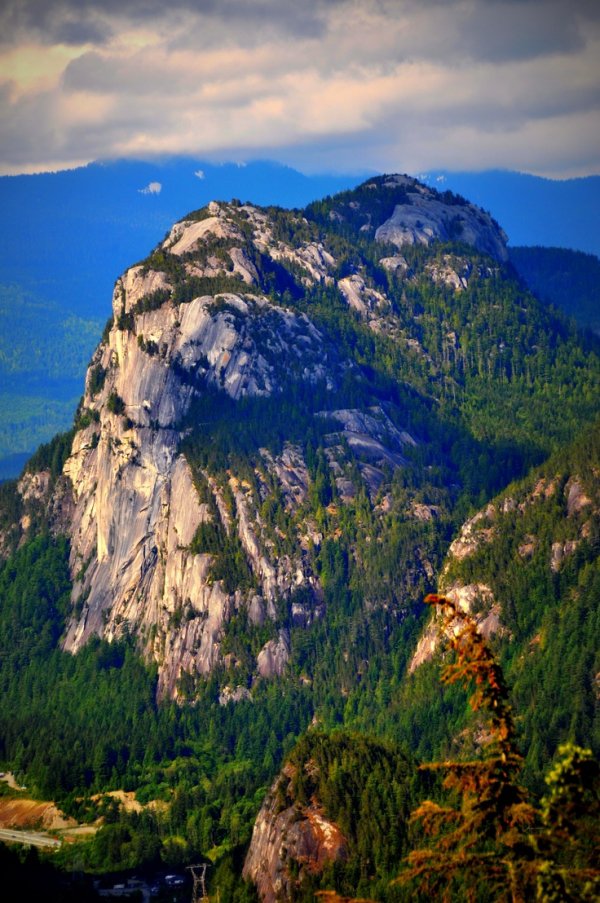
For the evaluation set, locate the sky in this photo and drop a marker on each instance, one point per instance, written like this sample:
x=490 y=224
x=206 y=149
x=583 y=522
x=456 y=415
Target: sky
x=321 y=85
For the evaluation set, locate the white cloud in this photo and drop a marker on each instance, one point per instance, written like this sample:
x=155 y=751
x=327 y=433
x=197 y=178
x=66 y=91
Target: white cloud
x=152 y=188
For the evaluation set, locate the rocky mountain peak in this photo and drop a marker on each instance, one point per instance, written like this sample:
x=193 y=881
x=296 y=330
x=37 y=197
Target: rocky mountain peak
x=401 y=211
x=201 y=316
x=256 y=379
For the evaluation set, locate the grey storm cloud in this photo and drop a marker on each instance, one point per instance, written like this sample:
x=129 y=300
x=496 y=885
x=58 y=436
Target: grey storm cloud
x=89 y=21
x=340 y=83
x=491 y=29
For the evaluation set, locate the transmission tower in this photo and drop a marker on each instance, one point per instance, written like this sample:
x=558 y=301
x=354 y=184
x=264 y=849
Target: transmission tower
x=199 y=877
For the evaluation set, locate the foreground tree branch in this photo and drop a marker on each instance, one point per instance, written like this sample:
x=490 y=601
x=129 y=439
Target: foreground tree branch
x=493 y=844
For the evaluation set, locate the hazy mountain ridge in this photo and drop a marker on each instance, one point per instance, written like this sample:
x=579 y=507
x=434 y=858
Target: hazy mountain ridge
x=43 y=352
x=568 y=279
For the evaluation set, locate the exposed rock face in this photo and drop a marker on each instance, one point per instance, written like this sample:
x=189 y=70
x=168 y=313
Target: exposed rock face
x=425 y=512
x=476 y=531
x=290 y=469
x=560 y=551
x=395 y=264
x=375 y=441
x=34 y=485
x=426 y=217
x=474 y=599
x=456 y=272
x=186 y=235
x=272 y=658
x=373 y=429
x=577 y=499
x=302 y=835
x=359 y=296
x=233 y=694
x=136 y=506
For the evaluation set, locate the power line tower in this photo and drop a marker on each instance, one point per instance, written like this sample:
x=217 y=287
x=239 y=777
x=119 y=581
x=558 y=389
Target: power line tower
x=199 y=877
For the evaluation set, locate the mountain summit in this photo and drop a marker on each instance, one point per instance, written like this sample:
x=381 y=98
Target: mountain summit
x=407 y=212
x=266 y=376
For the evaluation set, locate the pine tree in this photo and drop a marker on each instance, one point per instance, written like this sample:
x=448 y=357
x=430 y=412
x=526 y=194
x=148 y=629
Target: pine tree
x=492 y=844
x=482 y=849
x=570 y=838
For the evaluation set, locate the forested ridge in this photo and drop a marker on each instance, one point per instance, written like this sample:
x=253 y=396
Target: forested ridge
x=567 y=279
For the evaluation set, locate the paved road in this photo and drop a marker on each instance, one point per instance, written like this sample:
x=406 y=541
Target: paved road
x=29 y=837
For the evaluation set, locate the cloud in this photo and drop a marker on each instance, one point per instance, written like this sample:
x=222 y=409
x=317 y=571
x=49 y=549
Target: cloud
x=354 y=84
x=152 y=188
x=90 y=21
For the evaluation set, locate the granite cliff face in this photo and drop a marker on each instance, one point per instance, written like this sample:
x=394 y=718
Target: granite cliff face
x=285 y=834
x=136 y=506
x=339 y=798
x=424 y=216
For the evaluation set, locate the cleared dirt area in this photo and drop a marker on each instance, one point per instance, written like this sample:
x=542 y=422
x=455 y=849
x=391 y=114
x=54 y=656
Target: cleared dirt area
x=9 y=778
x=126 y=799
x=25 y=813
x=129 y=803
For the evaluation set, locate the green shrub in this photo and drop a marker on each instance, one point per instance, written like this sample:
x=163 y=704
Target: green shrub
x=115 y=403
x=96 y=380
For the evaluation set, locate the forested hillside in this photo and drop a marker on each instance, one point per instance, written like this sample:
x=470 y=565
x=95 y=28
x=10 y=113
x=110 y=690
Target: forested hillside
x=531 y=557
x=570 y=280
